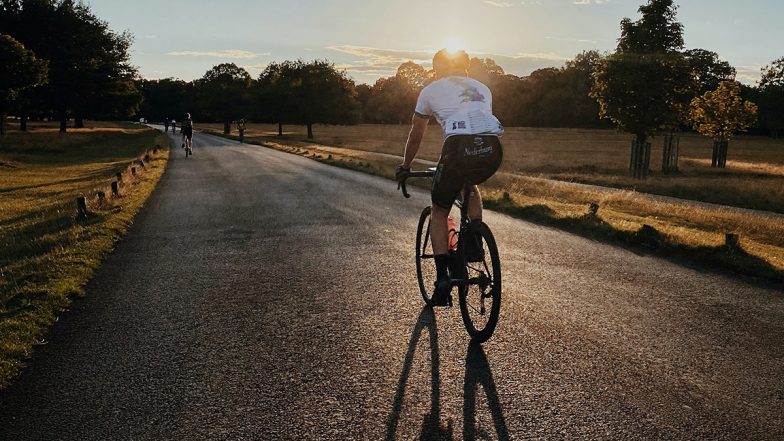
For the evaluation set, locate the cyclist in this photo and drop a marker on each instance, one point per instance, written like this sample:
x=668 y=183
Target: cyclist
x=471 y=151
x=187 y=132
x=166 y=125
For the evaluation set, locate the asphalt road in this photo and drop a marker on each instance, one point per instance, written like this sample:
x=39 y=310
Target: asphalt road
x=262 y=295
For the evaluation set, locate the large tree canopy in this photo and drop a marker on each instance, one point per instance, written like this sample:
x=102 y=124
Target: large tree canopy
x=90 y=73
x=642 y=85
x=224 y=91
x=19 y=70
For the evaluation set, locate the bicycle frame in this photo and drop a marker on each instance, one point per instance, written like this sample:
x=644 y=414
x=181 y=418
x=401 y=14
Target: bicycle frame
x=462 y=204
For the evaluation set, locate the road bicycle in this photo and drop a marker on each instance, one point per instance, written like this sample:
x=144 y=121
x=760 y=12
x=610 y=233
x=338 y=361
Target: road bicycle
x=478 y=283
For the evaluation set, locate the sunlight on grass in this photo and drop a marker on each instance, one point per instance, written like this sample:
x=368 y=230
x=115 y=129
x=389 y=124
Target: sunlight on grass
x=47 y=254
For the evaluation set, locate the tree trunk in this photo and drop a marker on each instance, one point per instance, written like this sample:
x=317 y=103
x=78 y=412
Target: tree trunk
x=2 y=123
x=719 y=158
x=23 y=123
x=63 y=121
x=79 y=122
x=640 y=160
x=670 y=154
x=310 y=131
x=280 y=128
x=226 y=127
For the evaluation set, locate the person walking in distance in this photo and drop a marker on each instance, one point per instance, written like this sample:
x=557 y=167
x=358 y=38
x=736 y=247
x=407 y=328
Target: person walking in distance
x=241 y=129
x=166 y=125
x=471 y=152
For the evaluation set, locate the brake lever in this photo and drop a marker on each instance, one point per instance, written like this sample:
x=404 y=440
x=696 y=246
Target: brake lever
x=402 y=185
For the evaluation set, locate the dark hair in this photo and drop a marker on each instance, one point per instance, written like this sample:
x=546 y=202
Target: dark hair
x=446 y=61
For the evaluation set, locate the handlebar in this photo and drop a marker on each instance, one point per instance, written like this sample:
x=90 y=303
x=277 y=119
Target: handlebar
x=401 y=184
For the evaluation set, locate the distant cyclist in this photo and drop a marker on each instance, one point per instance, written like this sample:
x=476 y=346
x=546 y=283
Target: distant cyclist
x=174 y=126
x=166 y=125
x=472 y=151
x=187 y=132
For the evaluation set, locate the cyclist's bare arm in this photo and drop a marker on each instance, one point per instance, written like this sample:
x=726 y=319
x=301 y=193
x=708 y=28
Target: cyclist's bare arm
x=418 y=127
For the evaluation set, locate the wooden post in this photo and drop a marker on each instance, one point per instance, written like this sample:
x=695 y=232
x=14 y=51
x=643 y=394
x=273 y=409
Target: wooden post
x=146 y=158
x=670 y=153
x=723 y=154
x=640 y=160
x=593 y=209
x=715 y=156
x=115 y=188
x=133 y=170
x=81 y=207
x=101 y=197
x=119 y=176
x=732 y=240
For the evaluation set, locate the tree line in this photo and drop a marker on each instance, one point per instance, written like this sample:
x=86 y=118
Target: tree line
x=61 y=61
x=650 y=85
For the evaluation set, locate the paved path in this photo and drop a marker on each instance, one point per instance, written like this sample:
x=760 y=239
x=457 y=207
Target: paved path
x=262 y=295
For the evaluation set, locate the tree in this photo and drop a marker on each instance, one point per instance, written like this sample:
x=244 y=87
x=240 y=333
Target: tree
x=271 y=93
x=771 y=97
x=637 y=87
x=707 y=70
x=224 y=91
x=19 y=70
x=89 y=65
x=320 y=93
x=719 y=115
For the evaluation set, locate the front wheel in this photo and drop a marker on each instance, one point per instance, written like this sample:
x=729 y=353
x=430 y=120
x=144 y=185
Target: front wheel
x=480 y=292
x=425 y=260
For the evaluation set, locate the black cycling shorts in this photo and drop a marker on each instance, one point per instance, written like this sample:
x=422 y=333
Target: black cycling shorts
x=471 y=158
x=188 y=133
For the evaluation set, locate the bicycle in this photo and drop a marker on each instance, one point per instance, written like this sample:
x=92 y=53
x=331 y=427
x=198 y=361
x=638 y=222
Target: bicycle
x=477 y=282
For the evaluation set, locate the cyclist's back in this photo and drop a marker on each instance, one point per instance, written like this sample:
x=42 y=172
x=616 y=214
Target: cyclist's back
x=462 y=105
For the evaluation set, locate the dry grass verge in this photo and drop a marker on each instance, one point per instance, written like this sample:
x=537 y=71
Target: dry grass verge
x=47 y=252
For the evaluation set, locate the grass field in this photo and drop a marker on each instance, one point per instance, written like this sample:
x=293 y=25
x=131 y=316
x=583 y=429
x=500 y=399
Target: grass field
x=47 y=254
x=754 y=177
x=689 y=232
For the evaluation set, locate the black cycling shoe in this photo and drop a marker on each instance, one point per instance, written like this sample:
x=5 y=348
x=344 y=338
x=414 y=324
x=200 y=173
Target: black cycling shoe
x=442 y=293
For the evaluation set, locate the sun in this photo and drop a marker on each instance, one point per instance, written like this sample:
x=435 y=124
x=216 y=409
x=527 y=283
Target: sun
x=454 y=44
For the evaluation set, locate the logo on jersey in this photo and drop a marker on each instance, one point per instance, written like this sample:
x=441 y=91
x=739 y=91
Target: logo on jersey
x=458 y=125
x=471 y=94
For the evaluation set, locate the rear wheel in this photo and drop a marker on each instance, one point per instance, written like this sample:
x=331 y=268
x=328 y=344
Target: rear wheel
x=480 y=294
x=425 y=260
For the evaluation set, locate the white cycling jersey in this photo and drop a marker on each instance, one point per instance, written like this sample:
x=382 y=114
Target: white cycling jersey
x=462 y=105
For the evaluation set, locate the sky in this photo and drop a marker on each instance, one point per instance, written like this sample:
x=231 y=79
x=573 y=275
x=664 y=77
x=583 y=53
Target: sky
x=370 y=38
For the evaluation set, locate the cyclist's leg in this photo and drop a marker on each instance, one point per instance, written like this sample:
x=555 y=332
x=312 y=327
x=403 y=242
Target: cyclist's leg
x=475 y=204
x=439 y=230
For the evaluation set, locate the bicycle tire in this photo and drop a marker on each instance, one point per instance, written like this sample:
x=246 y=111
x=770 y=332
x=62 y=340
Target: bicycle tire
x=425 y=262
x=469 y=297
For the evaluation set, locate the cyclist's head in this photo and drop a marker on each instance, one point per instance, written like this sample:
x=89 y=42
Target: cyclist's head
x=187 y=116
x=447 y=63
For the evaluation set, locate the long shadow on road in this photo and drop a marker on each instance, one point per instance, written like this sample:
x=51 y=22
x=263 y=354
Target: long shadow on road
x=477 y=373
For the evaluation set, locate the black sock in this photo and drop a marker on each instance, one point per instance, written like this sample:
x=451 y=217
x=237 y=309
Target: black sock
x=442 y=266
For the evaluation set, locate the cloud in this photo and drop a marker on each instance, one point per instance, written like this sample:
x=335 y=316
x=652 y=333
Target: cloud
x=498 y=4
x=748 y=74
x=578 y=40
x=590 y=2
x=228 y=53
x=376 y=62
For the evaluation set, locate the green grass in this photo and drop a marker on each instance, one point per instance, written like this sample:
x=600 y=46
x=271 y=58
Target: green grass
x=47 y=254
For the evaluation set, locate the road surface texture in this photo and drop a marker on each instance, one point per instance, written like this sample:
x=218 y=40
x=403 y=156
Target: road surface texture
x=262 y=295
